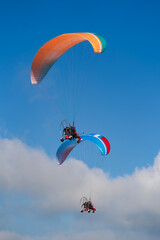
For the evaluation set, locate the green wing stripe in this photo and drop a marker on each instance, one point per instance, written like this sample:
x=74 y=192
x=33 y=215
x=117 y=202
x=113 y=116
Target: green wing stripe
x=103 y=41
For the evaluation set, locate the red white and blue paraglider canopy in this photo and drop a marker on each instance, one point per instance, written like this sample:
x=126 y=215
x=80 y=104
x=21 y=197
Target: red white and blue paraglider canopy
x=64 y=150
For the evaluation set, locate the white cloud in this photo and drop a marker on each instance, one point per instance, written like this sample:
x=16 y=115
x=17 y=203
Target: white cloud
x=6 y=235
x=127 y=207
x=91 y=235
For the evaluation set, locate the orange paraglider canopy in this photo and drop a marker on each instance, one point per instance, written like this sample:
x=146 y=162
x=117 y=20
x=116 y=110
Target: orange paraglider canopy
x=50 y=52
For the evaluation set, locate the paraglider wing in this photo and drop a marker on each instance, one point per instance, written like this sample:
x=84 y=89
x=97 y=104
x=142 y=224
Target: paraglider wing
x=50 y=52
x=101 y=142
x=64 y=150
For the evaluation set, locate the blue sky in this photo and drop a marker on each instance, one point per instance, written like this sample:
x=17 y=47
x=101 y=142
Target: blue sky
x=119 y=97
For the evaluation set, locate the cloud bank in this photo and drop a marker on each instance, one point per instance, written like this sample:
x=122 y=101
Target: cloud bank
x=127 y=207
